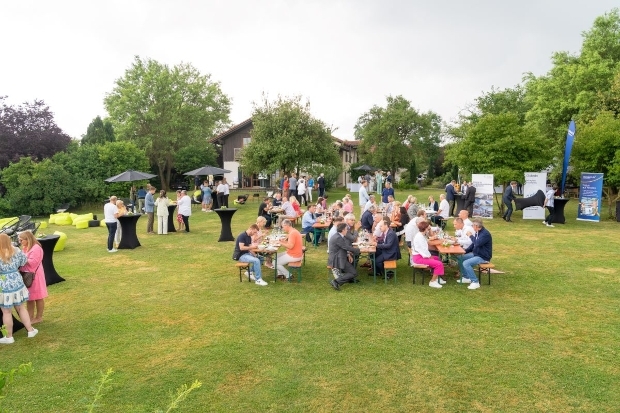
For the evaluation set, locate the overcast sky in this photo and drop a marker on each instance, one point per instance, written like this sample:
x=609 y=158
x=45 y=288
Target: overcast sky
x=343 y=55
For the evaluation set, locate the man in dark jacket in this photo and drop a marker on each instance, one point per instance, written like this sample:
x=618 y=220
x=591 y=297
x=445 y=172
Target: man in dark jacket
x=469 y=198
x=340 y=257
x=507 y=198
x=387 y=246
x=480 y=251
x=321 y=183
x=451 y=196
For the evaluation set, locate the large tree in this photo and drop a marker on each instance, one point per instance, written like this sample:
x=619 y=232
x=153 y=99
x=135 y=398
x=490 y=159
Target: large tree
x=99 y=132
x=392 y=136
x=166 y=109
x=29 y=130
x=286 y=137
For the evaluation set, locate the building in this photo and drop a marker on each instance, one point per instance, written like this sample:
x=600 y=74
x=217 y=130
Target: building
x=234 y=139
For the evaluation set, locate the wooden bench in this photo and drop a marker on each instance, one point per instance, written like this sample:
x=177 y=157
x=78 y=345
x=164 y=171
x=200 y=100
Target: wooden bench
x=485 y=267
x=421 y=268
x=244 y=266
x=295 y=267
x=389 y=267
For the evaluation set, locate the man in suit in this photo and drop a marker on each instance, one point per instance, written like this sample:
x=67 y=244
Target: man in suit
x=507 y=198
x=321 y=183
x=451 y=196
x=480 y=251
x=387 y=245
x=469 y=198
x=340 y=257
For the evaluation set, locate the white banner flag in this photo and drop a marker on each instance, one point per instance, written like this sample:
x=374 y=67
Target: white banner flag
x=533 y=182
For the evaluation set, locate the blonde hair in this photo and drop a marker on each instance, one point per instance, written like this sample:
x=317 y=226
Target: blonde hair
x=262 y=220
x=30 y=239
x=120 y=203
x=6 y=248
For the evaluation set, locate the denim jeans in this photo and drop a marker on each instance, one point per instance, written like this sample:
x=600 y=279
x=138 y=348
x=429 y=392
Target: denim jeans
x=111 y=233
x=466 y=263
x=255 y=264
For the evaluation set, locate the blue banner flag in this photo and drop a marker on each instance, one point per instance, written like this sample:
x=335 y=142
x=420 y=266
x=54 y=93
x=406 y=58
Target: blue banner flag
x=570 y=137
x=590 y=195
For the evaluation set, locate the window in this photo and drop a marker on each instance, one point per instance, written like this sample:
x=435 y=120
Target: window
x=246 y=141
x=237 y=154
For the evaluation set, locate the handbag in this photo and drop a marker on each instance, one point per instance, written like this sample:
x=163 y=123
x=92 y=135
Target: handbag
x=28 y=276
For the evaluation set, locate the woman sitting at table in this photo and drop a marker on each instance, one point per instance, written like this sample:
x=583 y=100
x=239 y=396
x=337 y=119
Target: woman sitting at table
x=395 y=216
x=14 y=292
x=259 y=237
x=347 y=204
x=421 y=254
x=38 y=290
x=412 y=209
x=432 y=204
x=295 y=204
x=321 y=206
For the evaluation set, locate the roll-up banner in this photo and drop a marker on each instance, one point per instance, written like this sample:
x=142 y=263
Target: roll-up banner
x=590 y=195
x=483 y=207
x=533 y=182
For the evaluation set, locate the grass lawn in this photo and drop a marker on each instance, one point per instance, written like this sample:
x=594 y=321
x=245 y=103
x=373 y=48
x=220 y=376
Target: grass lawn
x=543 y=337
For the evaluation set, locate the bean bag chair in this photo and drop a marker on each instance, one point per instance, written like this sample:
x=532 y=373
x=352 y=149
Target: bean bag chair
x=93 y=223
x=63 y=220
x=102 y=223
x=81 y=224
x=60 y=245
x=4 y=221
x=73 y=216
x=43 y=225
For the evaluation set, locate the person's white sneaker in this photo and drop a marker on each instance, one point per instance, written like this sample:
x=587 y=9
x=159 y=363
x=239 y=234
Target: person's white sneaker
x=261 y=282
x=549 y=225
x=252 y=276
x=32 y=333
x=204 y=210
x=434 y=284
x=7 y=340
x=441 y=281
x=463 y=280
x=544 y=222
x=113 y=250
x=473 y=286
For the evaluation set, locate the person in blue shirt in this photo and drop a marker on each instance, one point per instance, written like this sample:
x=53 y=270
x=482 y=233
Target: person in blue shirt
x=309 y=188
x=480 y=251
x=149 y=208
x=206 y=196
x=141 y=196
x=387 y=191
x=307 y=221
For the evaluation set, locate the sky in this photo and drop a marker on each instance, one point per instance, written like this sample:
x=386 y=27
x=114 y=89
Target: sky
x=344 y=56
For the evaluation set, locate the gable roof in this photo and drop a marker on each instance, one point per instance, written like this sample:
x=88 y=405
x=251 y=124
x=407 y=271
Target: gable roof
x=225 y=134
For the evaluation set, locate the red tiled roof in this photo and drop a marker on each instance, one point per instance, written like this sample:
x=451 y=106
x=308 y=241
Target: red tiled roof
x=230 y=131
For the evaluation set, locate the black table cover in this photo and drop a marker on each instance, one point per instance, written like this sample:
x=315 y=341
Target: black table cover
x=129 y=238
x=171 y=218
x=47 y=245
x=226 y=219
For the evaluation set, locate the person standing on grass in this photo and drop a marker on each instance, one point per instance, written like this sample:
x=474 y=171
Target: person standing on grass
x=122 y=211
x=451 y=196
x=14 y=292
x=321 y=183
x=149 y=208
x=364 y=198
x=549 y=203
x=294 y=248
x=310 y=187
x=243 y=253
x=206 y=196
x=162 y=213
x=38 y=290
x=479 y=252
x=507 y=198
x=141 y=196
x=421 y=254
x=301 y=191
x=110 y=213
x=184 y=206
x=387 y=191
x=341 y=257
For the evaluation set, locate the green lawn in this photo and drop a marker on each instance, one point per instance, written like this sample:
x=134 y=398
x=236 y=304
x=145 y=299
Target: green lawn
x=542 y=338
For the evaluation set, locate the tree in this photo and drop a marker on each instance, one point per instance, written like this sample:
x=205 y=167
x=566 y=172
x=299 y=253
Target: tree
x=392 y=136
x=286 y=137
x=29 y=130
x=99 y=132
x=165 y=109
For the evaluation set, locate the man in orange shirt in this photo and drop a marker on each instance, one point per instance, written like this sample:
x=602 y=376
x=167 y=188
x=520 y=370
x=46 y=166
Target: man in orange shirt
x=293 y=247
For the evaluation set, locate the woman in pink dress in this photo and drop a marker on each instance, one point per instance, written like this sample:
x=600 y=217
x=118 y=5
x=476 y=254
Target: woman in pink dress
x=38 y=290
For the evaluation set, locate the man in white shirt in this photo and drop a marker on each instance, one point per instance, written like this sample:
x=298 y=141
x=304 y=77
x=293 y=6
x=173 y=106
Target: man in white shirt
x=110 y=213
x=184 y=207
x=462 y=233
x=371 y=201
x=464 y=215
x=443 y=213
x=549 y=203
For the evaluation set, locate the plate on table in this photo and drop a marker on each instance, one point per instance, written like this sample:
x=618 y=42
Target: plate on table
x=271 y=248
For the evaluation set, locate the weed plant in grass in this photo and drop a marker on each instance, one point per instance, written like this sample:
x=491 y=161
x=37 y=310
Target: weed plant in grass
x=542 y=337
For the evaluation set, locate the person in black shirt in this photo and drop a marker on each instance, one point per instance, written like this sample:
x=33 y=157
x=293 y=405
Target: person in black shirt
x=263 y=211
x=243 y=253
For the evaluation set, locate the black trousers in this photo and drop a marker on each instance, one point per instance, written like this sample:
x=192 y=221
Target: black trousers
x=549 y=219
x=111 y=233
x=346 y=274
x=186 y=222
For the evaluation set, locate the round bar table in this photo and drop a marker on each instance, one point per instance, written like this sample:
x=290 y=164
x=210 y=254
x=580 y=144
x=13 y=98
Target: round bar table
x=129 y=238
x=171 y=218
x=558 y=210
x=226 y=218
x=47 y=245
